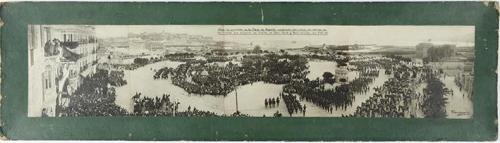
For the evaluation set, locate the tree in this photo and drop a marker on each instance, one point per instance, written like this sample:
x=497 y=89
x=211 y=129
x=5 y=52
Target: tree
x=434 y=104
x=257 y=49
x=140 y=61
x=327 y=77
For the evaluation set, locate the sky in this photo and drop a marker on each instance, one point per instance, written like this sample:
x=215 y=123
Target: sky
x=337 y=35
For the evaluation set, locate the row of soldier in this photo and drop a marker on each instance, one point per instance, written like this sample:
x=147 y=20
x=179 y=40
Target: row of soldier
x=272 y=102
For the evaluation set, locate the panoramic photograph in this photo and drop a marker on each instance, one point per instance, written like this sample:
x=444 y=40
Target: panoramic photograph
x=383 y=71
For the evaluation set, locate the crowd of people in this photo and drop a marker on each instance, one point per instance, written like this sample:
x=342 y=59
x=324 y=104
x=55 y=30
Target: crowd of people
x=390 y=100
x=52 y=47
x=292 y=104
x=328 y=99
x=397 y=96
x=220 y=76
x=281 y=69
x=211 y=59
x=366 y=65
x=94 y=97
x=164 y=106
x=116 y=78
x=163 y=73
x=360 y=85
x=368 y=71
x=433 y=105
x=205 y=78
x=202 y=77
x=196 y=113
x=157 y=106
x=338 y=96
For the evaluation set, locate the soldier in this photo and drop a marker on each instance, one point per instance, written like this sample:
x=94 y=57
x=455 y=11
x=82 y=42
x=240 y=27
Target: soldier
x=265 y=102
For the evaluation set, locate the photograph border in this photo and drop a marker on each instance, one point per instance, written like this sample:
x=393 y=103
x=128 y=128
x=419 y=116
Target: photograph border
x=17 y=17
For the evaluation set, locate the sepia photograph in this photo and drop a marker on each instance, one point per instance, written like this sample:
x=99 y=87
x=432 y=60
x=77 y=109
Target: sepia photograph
x=379 y=71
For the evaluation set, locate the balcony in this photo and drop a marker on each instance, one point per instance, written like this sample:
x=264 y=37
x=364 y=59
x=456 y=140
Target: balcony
x=70 y=44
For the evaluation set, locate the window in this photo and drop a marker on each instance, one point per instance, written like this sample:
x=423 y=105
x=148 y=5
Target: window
x=43 y=85
x=46 y=83
x=47 y=78
x=50 y=80
x=47 y=34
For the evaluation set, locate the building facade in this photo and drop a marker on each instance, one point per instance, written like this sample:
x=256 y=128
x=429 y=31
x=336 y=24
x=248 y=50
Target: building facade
x=434 y=52
x=59 y=56
x=465 y=82
x=421 y=50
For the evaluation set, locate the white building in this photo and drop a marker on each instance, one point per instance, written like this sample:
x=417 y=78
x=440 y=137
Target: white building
x=58 y=57
x=421 y=49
